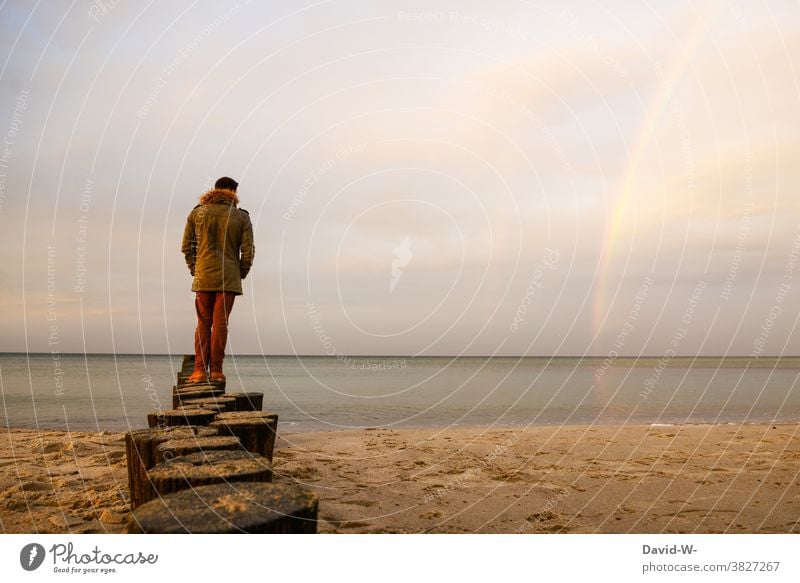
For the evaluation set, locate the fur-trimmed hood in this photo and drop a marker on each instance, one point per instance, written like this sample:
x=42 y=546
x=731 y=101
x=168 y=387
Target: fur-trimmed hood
x=217 y=195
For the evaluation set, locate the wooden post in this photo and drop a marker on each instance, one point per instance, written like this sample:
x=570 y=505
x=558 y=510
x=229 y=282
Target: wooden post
x=259 y=508
x=187 y=364
x=224 y=402
x=256 y=432
x=207 y=384
x=188 y=388
x=173 y=448
x=216 y=409
x=247 y=401
x=227 y=416
x=208 y=467
x=140 y=454
x=178 y=398
x=173 y=417
x=183 y=378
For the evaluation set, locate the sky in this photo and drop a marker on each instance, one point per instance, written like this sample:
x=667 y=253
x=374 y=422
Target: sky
x=424 y=178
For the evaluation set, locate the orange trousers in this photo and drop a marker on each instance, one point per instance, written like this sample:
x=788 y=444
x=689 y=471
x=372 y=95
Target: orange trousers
x=211 y=334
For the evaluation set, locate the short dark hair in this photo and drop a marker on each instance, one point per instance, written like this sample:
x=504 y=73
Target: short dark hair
x=226 y=183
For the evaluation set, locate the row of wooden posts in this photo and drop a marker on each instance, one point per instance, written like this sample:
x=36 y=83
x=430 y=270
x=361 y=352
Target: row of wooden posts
x=205 y=466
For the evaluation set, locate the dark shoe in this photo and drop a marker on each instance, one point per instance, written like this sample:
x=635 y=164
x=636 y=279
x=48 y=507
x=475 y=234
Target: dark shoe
x=217 y=376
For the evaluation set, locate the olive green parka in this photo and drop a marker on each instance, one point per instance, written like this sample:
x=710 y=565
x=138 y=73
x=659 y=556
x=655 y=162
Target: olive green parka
x=218 y=243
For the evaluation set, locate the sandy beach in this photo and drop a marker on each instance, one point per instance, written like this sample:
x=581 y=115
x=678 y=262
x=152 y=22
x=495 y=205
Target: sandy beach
x=599 y=479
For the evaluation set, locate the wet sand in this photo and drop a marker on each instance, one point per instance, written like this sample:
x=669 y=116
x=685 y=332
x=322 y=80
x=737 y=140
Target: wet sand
x=599 y=479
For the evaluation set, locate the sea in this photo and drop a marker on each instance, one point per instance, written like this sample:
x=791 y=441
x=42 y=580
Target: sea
x=107 y=392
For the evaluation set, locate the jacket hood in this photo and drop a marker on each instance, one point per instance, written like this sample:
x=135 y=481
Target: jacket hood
x=217 y=195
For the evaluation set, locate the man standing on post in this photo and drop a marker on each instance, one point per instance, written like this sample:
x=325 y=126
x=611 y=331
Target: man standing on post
x=219 y=250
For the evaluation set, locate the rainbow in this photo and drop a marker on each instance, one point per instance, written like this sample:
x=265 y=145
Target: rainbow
x=655 y=111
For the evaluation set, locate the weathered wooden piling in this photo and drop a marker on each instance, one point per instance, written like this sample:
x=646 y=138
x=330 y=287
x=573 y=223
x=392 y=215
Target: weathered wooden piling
x=177 y=447
x=256 y=430
x=184 y=477
x=258 y=508
x=174 y=417
x=182 y=378
x=187 y=364
x=208 y=467
x=225 y=402
x=141 y=454
x=245 y=415
x=179 y=398
x=206 y=384
x=250 y=401
x=192 y=387
x=213 y=408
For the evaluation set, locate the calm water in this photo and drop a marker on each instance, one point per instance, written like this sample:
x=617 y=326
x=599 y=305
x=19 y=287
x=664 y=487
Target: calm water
x=107 y=392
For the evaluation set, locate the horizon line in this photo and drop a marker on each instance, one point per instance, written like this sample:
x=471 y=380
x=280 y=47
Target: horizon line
x=343 y=356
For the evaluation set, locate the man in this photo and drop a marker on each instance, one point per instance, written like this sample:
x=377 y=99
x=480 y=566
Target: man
x=219 y=250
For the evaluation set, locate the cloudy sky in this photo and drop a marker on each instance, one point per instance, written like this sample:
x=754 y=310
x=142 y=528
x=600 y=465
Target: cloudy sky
x=423 y=177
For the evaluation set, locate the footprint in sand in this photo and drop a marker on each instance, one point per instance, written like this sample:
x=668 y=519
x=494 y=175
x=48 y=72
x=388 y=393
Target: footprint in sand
x=364 y=503
x=353 y=524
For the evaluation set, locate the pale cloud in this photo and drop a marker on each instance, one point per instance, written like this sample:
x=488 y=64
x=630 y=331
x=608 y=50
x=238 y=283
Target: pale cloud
x=483 y=134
